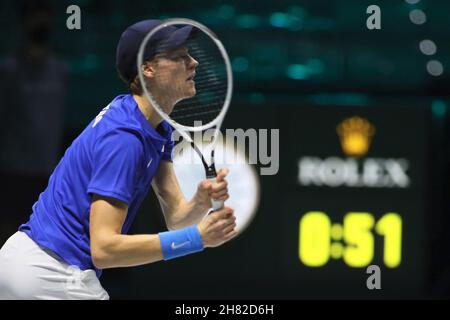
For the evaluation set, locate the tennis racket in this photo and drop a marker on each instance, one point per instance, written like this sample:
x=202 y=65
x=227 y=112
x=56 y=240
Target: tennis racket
x=189 y=85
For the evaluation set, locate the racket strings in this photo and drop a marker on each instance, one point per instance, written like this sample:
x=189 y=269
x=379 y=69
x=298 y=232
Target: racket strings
x=198 y=114
x=189 y=107
x=195 y=110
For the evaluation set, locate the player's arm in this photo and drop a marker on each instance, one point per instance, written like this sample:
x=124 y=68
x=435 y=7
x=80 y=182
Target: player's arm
x=110 y=248
x=179 y=212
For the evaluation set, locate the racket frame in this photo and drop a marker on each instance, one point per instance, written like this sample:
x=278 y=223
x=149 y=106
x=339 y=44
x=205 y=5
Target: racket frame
x=210 y=170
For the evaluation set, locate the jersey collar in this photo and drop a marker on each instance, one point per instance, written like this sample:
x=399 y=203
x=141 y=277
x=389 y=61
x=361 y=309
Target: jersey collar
x=162 y=133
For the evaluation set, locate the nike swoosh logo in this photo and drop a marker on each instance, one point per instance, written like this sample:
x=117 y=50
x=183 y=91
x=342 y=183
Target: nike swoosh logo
x=149 y=163
x=177 y=246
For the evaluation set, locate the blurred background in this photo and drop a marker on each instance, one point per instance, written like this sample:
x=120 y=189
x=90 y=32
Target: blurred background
x=348 y=193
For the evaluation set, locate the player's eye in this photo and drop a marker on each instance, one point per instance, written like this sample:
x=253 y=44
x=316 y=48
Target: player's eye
x=183 y=56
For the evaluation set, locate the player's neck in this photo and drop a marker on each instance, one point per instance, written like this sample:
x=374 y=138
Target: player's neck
x=148 y=111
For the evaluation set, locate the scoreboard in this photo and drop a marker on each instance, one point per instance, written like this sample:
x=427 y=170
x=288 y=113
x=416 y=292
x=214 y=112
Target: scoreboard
x=355 y=197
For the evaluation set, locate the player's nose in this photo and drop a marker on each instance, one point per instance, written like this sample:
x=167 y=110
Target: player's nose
x=192 y=62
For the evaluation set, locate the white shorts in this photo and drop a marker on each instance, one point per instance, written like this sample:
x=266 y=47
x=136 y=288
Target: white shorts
x=30 y=272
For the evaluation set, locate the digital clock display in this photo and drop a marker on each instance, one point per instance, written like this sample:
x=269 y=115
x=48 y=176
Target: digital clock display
x=353 y=241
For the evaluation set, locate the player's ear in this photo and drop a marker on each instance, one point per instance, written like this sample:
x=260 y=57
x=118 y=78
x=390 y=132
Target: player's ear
x=148 y=69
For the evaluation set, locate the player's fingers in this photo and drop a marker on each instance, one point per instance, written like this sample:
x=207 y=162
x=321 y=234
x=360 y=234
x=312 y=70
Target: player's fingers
x=229 y=220
x=205 y=185
x=233 y=233
x=229 y=228
x=222 y=174
x=224 y=223
x=222 y=213
x=219 y=186
x=219 y=194
x=222 y=198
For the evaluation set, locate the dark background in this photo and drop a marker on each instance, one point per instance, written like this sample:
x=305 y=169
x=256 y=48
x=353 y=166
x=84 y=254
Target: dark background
x=300 y=66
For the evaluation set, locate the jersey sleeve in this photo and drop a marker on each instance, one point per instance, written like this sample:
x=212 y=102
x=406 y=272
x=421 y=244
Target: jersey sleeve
x=169 y=147
x=117 y=162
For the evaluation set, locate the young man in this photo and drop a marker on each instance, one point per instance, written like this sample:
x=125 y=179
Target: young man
x=79 y=223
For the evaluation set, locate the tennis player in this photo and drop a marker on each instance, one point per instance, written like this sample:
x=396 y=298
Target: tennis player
x=79 y=224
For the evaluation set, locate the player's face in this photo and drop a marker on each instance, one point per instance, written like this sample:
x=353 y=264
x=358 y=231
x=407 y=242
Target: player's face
x=175 y=72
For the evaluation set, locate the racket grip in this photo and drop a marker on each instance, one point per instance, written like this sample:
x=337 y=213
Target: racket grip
x=216 y=204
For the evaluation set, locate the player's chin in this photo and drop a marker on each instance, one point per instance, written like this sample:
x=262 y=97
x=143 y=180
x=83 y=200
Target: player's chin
x=191 y=92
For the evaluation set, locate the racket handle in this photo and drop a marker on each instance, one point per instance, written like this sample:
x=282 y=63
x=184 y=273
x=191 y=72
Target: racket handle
x=216 y=204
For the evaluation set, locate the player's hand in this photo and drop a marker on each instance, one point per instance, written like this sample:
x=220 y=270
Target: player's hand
x=208 y=190
x=218 y=227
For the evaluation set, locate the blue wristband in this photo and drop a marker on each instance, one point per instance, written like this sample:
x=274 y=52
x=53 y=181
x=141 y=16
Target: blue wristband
x=181 y=242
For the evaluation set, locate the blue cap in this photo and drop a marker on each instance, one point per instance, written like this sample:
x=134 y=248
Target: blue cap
x=165 y=39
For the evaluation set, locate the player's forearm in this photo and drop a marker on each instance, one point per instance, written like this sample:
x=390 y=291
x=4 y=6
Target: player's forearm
x=188 y=213
x=178 y=212
x=126 y=250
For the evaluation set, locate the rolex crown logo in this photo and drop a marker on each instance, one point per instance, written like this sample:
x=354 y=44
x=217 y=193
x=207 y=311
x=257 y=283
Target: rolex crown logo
x=355 y=134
